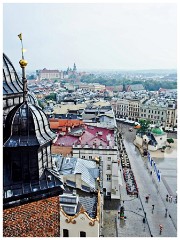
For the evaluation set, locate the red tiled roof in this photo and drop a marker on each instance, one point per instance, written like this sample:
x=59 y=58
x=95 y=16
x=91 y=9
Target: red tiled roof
x=115 y=88
x=91 y=135
x=36 y=219
x=56 y=123
x=66 y=141
x=162 y=90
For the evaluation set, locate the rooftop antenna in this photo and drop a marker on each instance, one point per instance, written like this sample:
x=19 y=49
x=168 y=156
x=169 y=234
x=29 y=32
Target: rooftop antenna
x=23 y=63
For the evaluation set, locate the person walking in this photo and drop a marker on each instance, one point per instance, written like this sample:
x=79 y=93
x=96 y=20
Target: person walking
x=160 y=229
x=166 y=212
x=167 y=198
x=147 y=199
x=152 y=208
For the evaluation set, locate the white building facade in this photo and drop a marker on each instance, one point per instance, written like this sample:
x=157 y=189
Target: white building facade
x=110 y=165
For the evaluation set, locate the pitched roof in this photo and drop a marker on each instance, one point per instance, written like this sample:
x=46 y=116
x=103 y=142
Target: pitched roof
x=36 y=219
x=92 y=135
x=135 y=87
x=49 y=71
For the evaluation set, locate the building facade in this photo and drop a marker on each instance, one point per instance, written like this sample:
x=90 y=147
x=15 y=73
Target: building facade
x=110 y=165
x=82 y=223
x=48 y=74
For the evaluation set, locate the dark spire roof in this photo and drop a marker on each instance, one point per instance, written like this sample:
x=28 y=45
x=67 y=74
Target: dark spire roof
x=74 y=67
x=28 y=171
x=27 y=125
x=11 y=82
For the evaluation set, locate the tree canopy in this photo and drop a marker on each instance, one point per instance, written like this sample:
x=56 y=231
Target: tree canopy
x=170 y=140
x=152 y=85
x=144 y=125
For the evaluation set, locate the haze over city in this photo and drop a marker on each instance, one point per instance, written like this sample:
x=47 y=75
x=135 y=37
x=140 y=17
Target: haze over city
x=95 y=36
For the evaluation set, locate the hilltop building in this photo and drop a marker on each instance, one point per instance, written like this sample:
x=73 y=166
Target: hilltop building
x=49 y=74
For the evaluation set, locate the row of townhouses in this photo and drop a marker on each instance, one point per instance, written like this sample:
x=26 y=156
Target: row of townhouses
x=161 y=111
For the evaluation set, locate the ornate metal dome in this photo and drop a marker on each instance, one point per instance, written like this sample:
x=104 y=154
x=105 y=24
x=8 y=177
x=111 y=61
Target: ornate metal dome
x=27 y=163
x=12 y=85
x=27 y=125
x=11 y=82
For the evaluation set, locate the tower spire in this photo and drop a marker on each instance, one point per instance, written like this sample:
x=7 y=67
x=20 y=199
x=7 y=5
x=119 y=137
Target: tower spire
x=23 y=63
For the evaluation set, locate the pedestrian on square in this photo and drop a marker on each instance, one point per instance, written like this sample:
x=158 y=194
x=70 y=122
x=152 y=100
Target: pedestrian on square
x=166 y=212
x=147 y=198
x=170 y=198
x=167 y=198
x=152 y=207
x=160 y=229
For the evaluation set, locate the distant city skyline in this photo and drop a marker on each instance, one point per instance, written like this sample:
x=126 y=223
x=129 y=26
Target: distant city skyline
x=99 y=36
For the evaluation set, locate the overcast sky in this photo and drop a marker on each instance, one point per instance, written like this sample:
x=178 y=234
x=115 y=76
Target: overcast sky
x=94 y=36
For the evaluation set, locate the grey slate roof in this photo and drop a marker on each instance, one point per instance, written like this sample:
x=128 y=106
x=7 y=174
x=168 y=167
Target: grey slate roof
x=87 y=168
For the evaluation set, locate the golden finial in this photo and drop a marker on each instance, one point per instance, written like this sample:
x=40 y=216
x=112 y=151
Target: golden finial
x=23 y=63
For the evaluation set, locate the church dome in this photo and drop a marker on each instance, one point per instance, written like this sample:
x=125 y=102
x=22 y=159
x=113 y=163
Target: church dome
x=27 y=125
x=157 y=131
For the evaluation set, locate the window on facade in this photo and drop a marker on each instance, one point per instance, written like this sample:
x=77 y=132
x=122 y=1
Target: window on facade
x=155 y=112
x=109 y=158
x=69 y=209
x=158 y=112
x=108 y=177
x=65 y=233
x=149 y=111
x=90 y=157
x=83 y=157
x=162 y=113
x=67 y=160
x=144 y=115
x=82 y=234
x=108 y=167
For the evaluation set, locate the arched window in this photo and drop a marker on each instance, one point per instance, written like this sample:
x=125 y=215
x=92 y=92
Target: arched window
x=65 y=233
x=82 y=234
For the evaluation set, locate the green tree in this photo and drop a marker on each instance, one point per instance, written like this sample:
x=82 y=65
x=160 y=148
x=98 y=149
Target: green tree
x=52 y=96
x=144 y=125
x=40 y=104
x=170 y=140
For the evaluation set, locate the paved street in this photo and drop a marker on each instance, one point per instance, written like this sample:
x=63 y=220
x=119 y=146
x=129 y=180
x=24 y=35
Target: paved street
x=147 y=184
x=136 y=208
